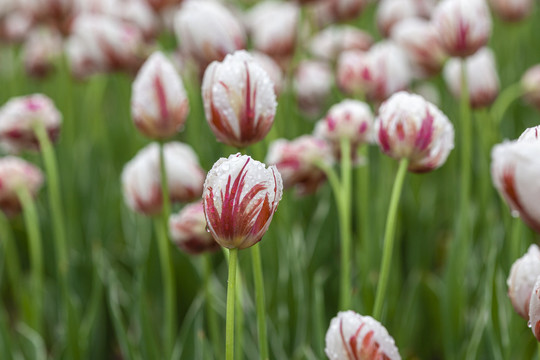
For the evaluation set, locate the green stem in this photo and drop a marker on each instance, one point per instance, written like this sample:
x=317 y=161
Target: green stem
x=517 y=226
x=466 y=154
x=231 y=291
x=36 y=256
x=259 y=298
x=11 y=258
x=164 y=185
x=211 y=314
x=366 y=252
x=345 y=224
x=389 y=234
x=505 y=98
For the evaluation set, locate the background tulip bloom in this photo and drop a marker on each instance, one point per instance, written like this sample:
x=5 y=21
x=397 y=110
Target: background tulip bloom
x=391 y=12
x=239 y=100
x=408 y=126
x=521 y=280
x=512 y=10
x=40 y=51
x=515 y=170
x=141 y=179
x=353 y=336
x=14 y=173
x=272 y=69
x=313 y=82
x=159 y=103
x=530 y=82
x=329 y=43
x=240 y=198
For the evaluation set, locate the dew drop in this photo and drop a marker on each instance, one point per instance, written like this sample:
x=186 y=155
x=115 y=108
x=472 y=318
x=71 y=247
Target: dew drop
x=515 y=213
x=529 y=324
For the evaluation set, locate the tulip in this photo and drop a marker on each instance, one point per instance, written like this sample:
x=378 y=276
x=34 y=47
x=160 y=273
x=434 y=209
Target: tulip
x=159 y=103
x=409 y=127
x=16 y=26
x=482 y=77
x=391 y=12
x=272 y=69
x=464 y=26
x=313 y=83
x=512 y=10
x=162 y=4
x=353 y=336
x=20 y=116
x=239 y=100
x=41 y=49
x=331 y=11
x=17 y=173
x=240 y=198
x=141 y=179
x=530 y=83
x=534 y=309
x=521 y=280
x=329 y=43
x=530 y=134
x=515 y=170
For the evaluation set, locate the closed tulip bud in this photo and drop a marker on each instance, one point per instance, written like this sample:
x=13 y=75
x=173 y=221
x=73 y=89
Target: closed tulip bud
x=521 y=280
x=272 y=69
x=353 y=336
x=16 y=26
x=207 y=31
x=297 y=161
x=512 y=10
x=313 y=82
x=530 y=83
x=20 y=115
x=391 y=12
x=530 y=134
x=534 y=309
x=141 y=177
x=464 y=26
x=482 y=78
x=410 y=127
x=239 y=100
x=240 y=198
x=158 y=5
x=159 y=103
x=188 y=230
x=515 y=170
x=17 y=173
x=40 y=51
x=332 y=11
x=329 y=43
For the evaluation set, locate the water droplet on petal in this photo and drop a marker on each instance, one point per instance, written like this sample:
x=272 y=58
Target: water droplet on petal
x=515 y=213
x=529 y=324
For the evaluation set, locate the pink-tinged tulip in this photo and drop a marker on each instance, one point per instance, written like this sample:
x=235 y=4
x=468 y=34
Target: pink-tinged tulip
x=353 y=336
x=158 y=5
x=141 y=177
x=17 y=173
x=16 y=26
x=239 y=100
x=297 y=161
x=391 y=12
x=521 y=280
x=515 y=170
x=530 y=83
x=207 y=31
x=159 y=103
x=332 y=11
x=512 y=10
x=240 y=198
x=377 y=74
x=534 y=309
x=188 y=230
x=40 y=51
x=52 y=12
x=272 y=69
x=531 y=134
x=464 y=26
x=20 y=115
x=420 y=41
x=329 y=43
x=482 y=77
x=410 y=127
x=313 y=82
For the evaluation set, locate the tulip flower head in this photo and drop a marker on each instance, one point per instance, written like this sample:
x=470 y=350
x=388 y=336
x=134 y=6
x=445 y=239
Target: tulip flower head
x=240 y=198
x=515 y=170
x=329 y=43
x=272 y=69
x=410 y=127
x=159 y=103
x=353 y=336
x=521 y=280
x=20 y=115
x=391 y=12
x=530 y=83
x=333 y=11
x=188 y=230
x=512 y=10
x=534 y=309
x=41 y=49
x=239 y=100
x=313 y=83
x=17 y=173
x=531 y=134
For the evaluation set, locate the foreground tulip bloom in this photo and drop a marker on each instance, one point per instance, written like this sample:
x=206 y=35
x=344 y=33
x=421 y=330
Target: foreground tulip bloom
x=482 y=78
x=512 y=10
x=353 y=336
x=521 y=280
x=188 y=230
x=239 y=100
x=141 y=178
x=534 y=309
x=464 y=26
x=17 y=173
x=312 y=82
x=329 y=43
x=240 y=198
x=410 y=127
x=530 y=83
x=159 y=103
x=515 y=170
x=20 y=115
x=531 y=134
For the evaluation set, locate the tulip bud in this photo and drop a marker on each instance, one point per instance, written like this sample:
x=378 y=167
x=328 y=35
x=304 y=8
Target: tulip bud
x=17 y=173
x=410 y=127
x=240 y=198
x=521 y=280
x=329 y=43
x=530 y=134
x=391 y=12
x=464 y=26
x=239 y=100
x=512 y=10
x=188 y=230
x=313 y=83
x=482 y=77
x=16 y=26
x=41 y=49
x=207 y=31
x=161 y=4
x=159 y=103
x=332 y=11
x=20 y=115
x=530 y=82
x=297 y=160
x=353 y=336
x=515 y=170
x=141 y=177
x=272 y=69
x=534 y=309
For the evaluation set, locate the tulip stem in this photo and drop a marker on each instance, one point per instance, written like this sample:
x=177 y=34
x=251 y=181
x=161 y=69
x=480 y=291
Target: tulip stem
x=516 y=239
x=231 y=291
x=166 y=262
x=259 y=297
x=366 y=252
x=11 y=258
x=212 y=320
x=389 y=235
x=345 y=224
x=505 y=98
